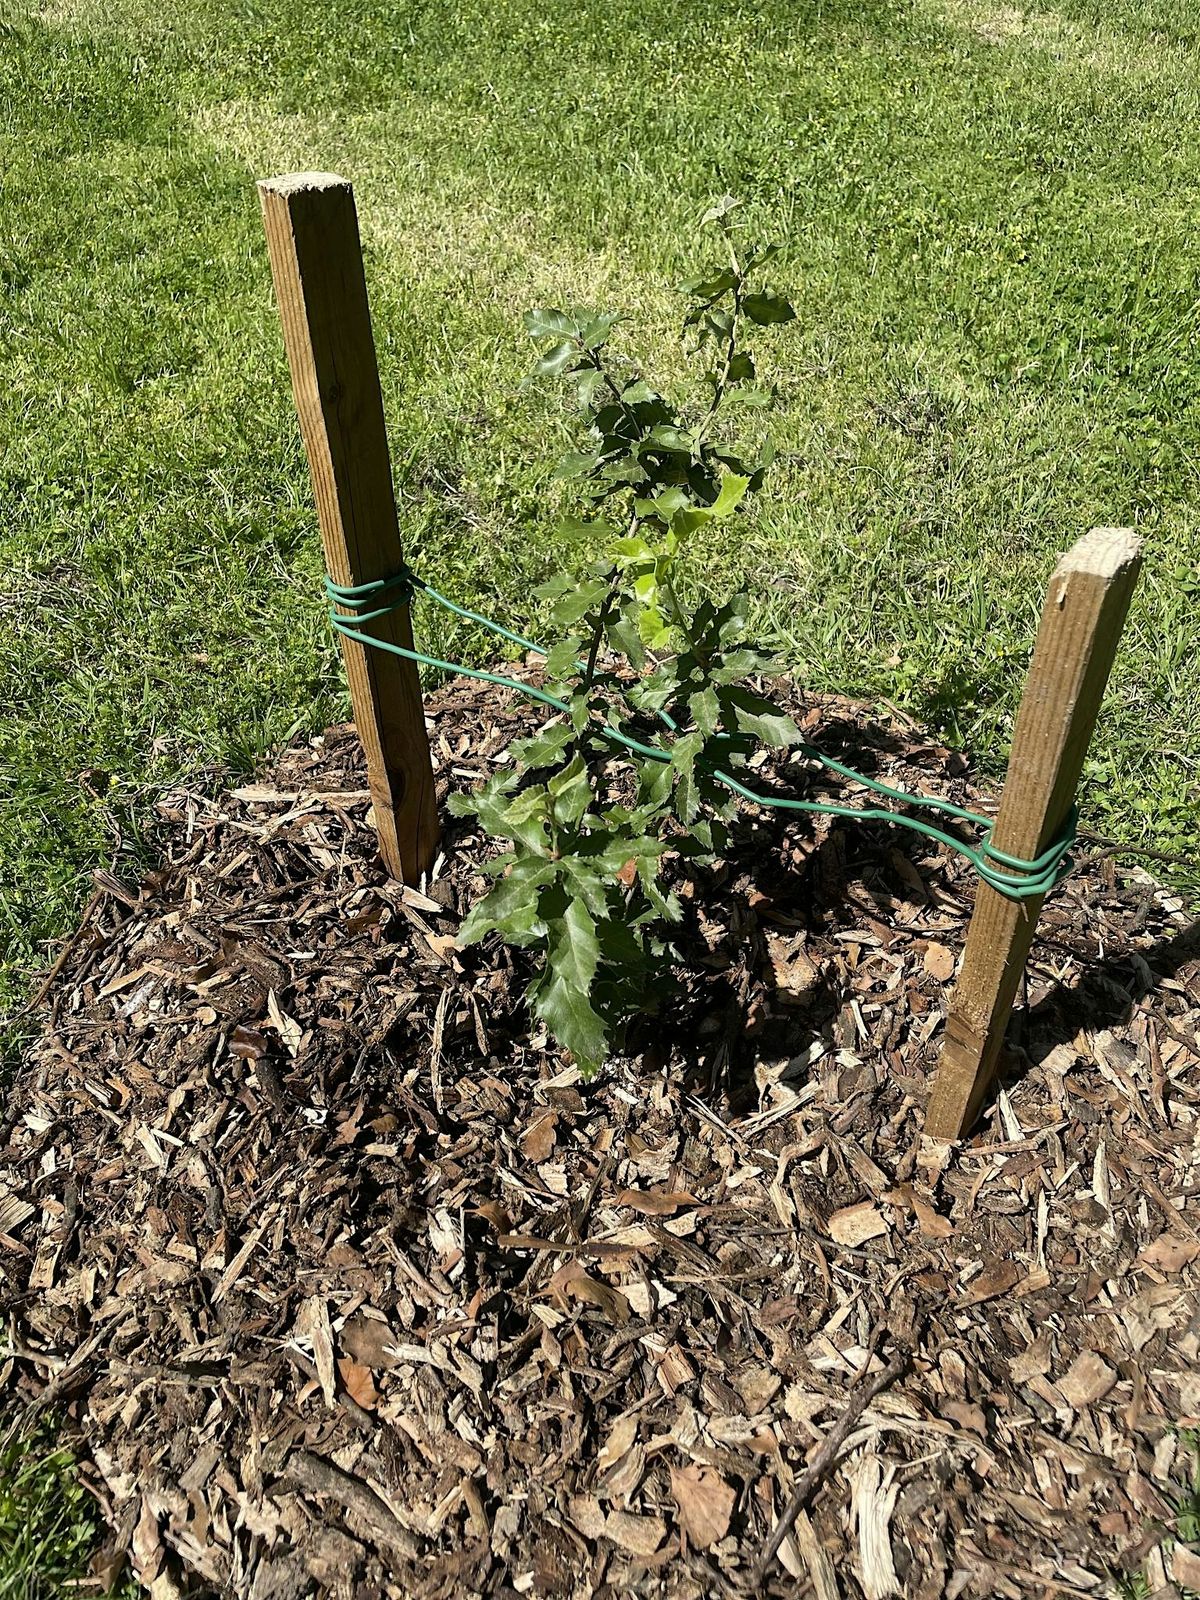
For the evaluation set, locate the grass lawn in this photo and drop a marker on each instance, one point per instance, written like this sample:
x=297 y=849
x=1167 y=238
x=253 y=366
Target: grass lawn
x=989 y=216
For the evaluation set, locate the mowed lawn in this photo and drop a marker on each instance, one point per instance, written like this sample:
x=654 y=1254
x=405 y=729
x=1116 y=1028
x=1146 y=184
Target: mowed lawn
x=990 y=226
x=989 y=216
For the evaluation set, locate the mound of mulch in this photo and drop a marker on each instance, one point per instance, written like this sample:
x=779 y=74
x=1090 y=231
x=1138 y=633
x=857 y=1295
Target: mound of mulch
x=346 y=1284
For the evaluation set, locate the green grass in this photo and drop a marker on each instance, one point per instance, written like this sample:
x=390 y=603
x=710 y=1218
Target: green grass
x=989 y=218
x=1182 y=1497
x=48 y=1522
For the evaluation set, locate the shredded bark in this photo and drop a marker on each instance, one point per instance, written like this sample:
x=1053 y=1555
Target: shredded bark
x=346 y=1284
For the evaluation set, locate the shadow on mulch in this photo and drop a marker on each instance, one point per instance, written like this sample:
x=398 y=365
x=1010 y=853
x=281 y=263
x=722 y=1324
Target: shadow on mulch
x=1107 y=989
x=347 y=1285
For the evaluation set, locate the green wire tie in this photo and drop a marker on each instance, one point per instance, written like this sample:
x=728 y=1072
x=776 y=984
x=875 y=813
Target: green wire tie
x=354 y=605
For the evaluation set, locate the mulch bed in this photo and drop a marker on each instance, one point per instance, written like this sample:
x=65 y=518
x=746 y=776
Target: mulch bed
x=346 y=1284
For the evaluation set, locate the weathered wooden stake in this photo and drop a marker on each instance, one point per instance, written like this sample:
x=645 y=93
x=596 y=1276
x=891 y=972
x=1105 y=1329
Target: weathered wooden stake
x=316 y=262
x=1081 y=625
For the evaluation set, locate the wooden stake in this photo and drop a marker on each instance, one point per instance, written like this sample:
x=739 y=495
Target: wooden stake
x=316 y=262
x=1081 y=625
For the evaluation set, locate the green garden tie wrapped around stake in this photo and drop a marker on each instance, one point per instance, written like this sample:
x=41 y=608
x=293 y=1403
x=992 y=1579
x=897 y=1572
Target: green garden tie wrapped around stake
x=352 y=607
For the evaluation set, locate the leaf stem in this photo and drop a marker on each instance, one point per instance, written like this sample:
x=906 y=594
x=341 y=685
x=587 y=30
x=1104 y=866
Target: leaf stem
x=722 y=385
x=605 y=612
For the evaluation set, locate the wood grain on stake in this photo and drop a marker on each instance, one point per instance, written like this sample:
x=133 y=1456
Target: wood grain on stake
x=316 y=263
x=1081 y=625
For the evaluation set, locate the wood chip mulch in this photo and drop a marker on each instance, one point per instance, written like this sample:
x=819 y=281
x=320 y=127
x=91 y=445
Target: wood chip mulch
x=343 y=1283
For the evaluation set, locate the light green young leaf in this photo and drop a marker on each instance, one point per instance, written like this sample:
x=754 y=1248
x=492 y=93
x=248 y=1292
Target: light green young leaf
x=687 y=520
x=665 y=437
x=732 y=492
x=547 y=323
x=557 y=358
x=653 y=626
x=631 y=548
x=663 y=505
x=720 y=209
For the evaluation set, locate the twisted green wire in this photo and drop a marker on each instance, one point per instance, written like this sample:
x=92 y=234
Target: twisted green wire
x=1009 y=875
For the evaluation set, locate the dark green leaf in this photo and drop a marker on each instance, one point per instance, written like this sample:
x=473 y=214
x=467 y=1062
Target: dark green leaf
x=654 y=783
x=751 y=714
x=706 y=710
x=562 y=658
x=576 y=464
x=587 y=386
x=572 y=950
x=683 y=759
x=667 y=905
x=709 y=288
x=595 y=332
x=766 y=306
x=577 y=602
x=621 y=949
x=570 y=1017
x=760 y=256
x=582 y=877
x=581 y=711
x=522 y=819
x=546 y=747
x=510 y=904
x=553 y=587
x=623 y=632
x=571 y=791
